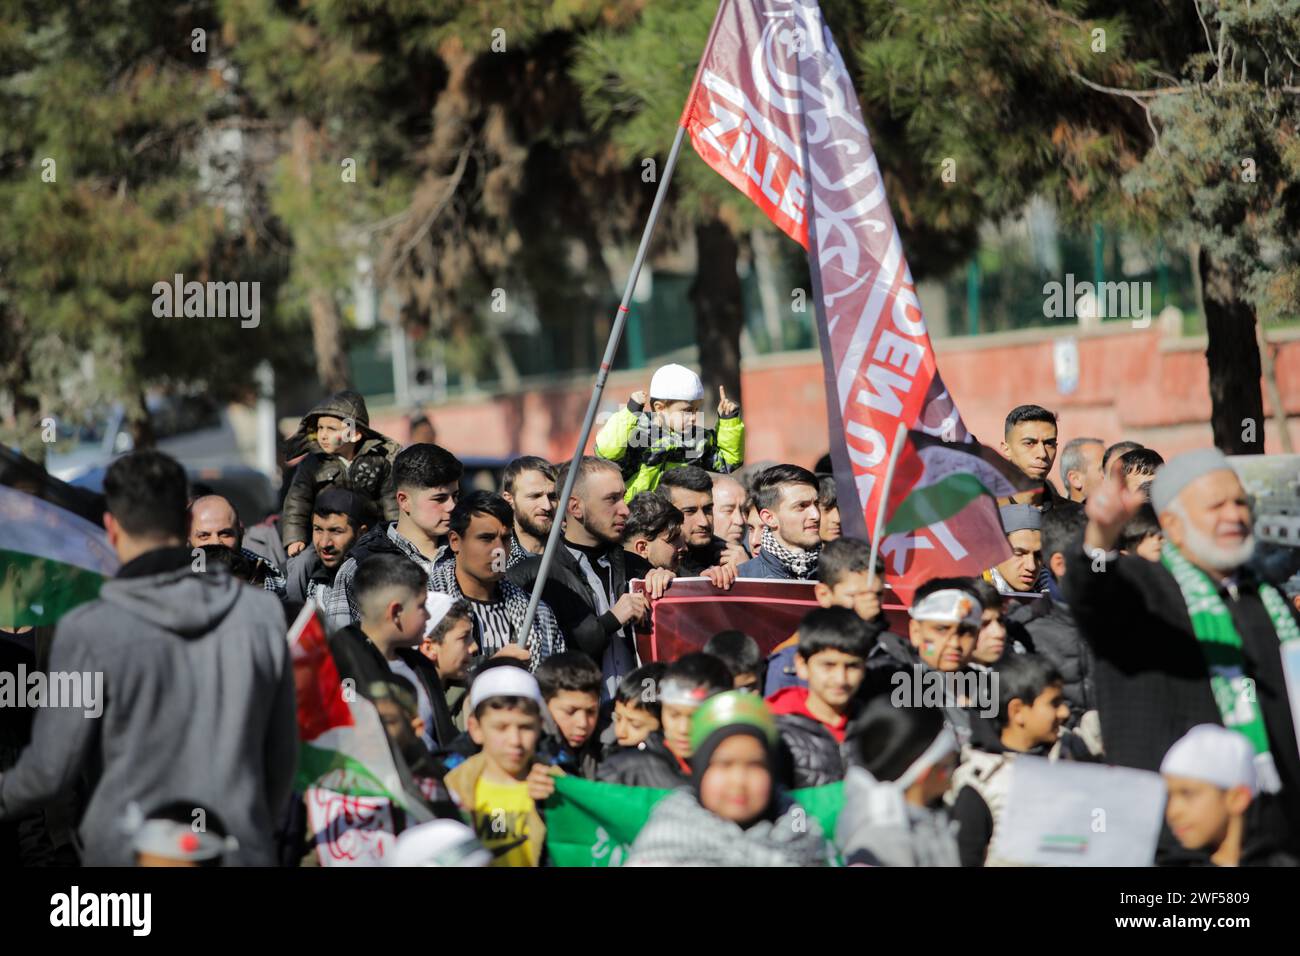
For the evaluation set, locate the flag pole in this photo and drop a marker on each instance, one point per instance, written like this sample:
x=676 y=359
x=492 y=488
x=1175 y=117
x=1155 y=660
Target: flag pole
x=900 y=437
x=611 y=349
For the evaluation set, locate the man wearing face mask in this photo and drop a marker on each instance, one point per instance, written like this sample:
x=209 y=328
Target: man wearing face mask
x=1192 y=639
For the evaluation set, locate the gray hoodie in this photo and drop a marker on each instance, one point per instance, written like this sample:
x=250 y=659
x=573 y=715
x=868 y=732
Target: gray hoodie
x=198 y=705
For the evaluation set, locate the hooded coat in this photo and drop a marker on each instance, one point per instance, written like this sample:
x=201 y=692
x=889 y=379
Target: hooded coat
x=681 y=832
x=369 y=474
x=198 y=705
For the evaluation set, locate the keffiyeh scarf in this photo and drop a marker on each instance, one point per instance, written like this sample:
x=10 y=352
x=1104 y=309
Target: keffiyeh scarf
x=800 y=564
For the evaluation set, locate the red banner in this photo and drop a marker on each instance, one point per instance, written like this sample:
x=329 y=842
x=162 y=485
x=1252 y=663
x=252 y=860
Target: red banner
x=693 y=610
x=773 y=110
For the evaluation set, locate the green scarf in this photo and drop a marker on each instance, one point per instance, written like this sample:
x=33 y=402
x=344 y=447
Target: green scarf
x=1212 y=624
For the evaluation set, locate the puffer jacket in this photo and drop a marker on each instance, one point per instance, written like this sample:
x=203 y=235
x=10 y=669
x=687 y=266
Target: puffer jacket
x=1056 y=637
x=369 y=474
x=810 y=755
x=648 y=764
x=644 y=452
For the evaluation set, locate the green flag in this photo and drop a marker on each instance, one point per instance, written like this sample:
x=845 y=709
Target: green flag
x=595 y=824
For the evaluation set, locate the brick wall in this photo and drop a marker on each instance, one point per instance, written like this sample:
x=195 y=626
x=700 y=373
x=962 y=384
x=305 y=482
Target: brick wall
x=1136 y=384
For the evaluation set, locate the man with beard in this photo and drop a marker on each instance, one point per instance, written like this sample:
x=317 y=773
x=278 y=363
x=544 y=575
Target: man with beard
x=528 y=486
x=215 y=527
x=690 y=490
x=338 y=519
x=587 y=583
x=1192 y=639
x=785 y=497
x=1029 y=443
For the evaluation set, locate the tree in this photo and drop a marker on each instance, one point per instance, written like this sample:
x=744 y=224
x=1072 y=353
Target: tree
x=1174 y=120
x=108 y=182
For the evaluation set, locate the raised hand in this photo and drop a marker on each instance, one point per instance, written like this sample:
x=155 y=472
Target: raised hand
x=726 y=406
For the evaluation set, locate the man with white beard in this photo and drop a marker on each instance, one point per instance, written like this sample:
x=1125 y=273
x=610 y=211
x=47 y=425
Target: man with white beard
x=1194 y=638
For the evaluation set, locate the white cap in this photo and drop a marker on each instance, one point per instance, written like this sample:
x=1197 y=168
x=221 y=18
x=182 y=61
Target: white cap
x=676 y=383
x=504 y=681
x=439 y=843
x=1180 y=471
x=949 y=606
x=437 y=604
x=1214 y=754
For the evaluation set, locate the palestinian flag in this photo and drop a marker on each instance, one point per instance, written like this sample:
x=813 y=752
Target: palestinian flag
x=343 y=747
x=589 y=823
x=51 y=560
x=953 y=475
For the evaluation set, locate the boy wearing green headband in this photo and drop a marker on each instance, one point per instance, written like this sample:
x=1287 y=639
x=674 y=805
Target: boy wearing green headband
x=733 y=814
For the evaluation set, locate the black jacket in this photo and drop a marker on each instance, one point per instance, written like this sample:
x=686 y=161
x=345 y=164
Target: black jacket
x=698 y=559
x=1056 y=637
x=763 y=565
x=360 y=660
x=809 y=754
x=648 y=764
x=568 y=594
x=1151 y=677
x=369 y=475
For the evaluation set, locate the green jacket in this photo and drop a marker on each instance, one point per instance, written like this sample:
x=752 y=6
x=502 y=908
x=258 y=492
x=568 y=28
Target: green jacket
x=643 y=450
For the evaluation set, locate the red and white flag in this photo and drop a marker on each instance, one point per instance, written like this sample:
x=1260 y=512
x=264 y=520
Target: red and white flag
x=773 y=111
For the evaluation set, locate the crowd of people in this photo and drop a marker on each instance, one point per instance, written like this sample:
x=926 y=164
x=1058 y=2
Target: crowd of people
x=1129 y=625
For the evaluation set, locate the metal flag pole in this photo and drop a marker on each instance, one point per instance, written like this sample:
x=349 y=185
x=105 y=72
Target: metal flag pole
x=611 y=349
x=899 y=438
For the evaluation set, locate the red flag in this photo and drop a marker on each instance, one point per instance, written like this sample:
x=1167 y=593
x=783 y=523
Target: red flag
x=773 y=110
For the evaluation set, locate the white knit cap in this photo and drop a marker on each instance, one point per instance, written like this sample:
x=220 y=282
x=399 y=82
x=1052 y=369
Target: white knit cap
x=1214 y=754
x=1180 y=471
x=439 y=843
x=676 y=383
x=437 y=604
x=504 y=681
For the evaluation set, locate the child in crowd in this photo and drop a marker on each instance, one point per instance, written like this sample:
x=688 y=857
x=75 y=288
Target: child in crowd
x=831 y=659
x=570 y=684
x=740 y=653
x=829 y=503
x=1031 y=712
x=654 y=531
x=842 y=581
x=449 y=644
x=734 y=813
x=167 y=836
x=902 y=763
x=1210 y=775
x=663 y=760
x=343 y=451
x=499 y=787
x=1142 y=535
x=636 y=705
x=647 y=442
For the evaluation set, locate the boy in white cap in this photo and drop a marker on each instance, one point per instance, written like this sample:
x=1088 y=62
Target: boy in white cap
x=1210 y=774
x=652 y=435
x=499 y=787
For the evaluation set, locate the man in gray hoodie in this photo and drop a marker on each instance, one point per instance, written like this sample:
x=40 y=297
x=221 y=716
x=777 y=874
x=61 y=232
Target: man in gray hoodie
x=197 y=686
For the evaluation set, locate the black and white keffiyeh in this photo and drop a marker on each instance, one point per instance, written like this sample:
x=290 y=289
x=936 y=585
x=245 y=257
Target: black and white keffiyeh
x=546 y=636
x=800 y=564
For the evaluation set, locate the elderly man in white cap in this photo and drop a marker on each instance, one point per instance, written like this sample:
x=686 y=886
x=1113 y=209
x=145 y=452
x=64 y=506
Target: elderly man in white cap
x=1193 y=639
x=662 y=431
